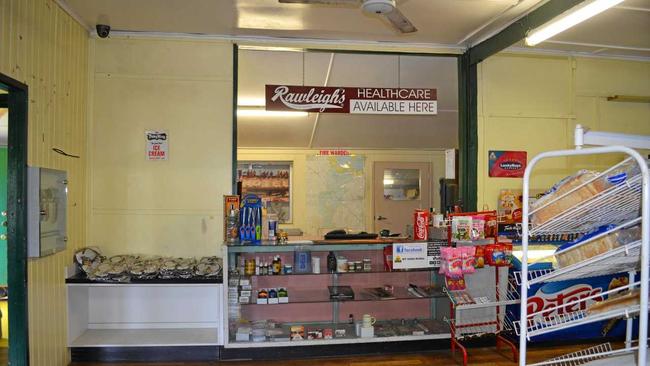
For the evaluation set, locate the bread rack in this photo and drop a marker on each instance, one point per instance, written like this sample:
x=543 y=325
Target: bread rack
x=623 y=205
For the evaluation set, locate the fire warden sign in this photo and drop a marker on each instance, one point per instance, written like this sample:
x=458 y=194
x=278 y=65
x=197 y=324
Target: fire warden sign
x=157 y=145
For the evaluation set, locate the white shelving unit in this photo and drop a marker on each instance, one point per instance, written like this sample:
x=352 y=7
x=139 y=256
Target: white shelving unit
x=624 y=205
x=144 y=315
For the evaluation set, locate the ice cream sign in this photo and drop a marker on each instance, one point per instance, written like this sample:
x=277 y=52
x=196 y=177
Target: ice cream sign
x=351 y=100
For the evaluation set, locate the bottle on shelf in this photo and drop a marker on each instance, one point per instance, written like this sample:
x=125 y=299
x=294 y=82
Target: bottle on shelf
x=331 y=262
x=277 y=265
x=257 y=266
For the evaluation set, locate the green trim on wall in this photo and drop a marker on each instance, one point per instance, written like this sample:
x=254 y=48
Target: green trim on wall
x=517 y=31
x=17 y=222
x=235 y=82
x=467 y=133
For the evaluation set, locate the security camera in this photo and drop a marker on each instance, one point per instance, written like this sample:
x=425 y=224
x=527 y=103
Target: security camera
x=103 y=30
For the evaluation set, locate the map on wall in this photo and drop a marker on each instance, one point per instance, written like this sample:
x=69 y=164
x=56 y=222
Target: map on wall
x=335 y=193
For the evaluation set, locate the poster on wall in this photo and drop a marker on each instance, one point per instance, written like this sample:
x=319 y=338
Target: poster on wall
x=157 y=145
x=271 y=181
x=507 y=164
x=351 y=100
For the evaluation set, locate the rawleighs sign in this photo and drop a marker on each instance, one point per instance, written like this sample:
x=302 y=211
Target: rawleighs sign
x=351 y=100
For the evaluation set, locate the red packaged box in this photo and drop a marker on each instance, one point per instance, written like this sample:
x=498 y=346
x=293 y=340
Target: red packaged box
x=421 y=225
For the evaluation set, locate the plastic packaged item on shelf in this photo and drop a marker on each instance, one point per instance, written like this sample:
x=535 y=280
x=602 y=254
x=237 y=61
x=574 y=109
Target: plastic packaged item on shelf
x=452 y=262
x=479 y=256
x=461 y=227
x=575 y=252
x=478 y=228
x=549 y=210
x=630 y=298
x=468 y=259
x=302 y=261
x=455 y=284
x=297 y=332
x=461 y=297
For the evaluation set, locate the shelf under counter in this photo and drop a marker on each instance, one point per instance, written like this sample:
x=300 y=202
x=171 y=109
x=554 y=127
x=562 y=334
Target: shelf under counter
x=151 y=337
x=322 y=296
x=437 y=330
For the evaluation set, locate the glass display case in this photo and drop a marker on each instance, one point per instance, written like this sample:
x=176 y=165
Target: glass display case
x=324 y=293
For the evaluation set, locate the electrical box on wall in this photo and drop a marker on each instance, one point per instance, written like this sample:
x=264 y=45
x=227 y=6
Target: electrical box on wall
x=47 y=201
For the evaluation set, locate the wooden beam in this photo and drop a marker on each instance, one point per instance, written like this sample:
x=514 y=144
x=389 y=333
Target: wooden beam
x=517 y=31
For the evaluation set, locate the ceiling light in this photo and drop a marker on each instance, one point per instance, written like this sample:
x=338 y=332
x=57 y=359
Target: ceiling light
x=251 y=102
x=568 y=19
x=388 y=182
x=241 y=112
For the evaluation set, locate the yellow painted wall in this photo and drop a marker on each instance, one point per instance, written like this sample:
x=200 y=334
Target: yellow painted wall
x=299 y=190
x=43 y=47
x=533 y=103
x=169 y=207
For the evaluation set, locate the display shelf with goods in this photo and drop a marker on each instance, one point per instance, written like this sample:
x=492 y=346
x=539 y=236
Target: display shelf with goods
x=307 y=302
x=609 y=212
x=480 y=293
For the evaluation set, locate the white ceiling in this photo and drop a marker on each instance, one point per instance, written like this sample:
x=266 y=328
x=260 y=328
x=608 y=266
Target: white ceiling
x=257 y=68
x=622 y=31
x=270 y=18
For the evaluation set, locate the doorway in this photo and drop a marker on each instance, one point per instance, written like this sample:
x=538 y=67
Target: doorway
x=13 y=99
x=399 y=188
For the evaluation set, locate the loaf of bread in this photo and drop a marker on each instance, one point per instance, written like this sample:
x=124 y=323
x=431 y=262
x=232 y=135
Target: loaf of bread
x=614 y=303
x=556 y=207
x=582 y=252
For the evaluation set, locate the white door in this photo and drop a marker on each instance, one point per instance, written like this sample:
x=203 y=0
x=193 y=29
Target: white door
x=399 y=189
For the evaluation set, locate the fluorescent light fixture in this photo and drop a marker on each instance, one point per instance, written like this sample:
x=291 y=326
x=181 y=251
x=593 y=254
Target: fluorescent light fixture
x=568 y=19
x=262 y=113
x=388 y=182
x=251 y=102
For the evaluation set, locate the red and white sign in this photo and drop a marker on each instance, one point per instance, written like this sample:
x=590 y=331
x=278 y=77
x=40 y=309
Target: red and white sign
x=552 y=304
x=507 y=164
x=157 y=145
x=327 y=99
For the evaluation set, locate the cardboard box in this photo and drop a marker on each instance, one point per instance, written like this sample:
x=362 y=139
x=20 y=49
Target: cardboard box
x=229 y=203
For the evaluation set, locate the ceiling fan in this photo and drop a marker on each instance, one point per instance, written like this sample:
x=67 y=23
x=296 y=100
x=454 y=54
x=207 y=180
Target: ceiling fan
x=384 y=8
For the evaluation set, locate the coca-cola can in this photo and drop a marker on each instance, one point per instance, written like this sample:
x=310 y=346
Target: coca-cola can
x=421 y=225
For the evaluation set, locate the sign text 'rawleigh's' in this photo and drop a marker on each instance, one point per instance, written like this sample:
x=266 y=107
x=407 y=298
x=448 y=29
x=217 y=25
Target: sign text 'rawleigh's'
x=351 y=100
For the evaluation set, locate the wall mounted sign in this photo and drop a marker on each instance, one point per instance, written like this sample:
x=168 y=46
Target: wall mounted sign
x=507 y=164
x=334 y=153
x=351 y=100
x=157 y=145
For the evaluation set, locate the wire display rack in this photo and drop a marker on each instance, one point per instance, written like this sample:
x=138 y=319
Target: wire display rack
x=488 y=297
x=622 y=259
x=615 y=205
x=621 y=202
x=579 y=357
x=495 y=296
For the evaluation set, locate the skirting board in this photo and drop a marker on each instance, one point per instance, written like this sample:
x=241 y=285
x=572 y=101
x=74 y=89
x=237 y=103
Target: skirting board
x=145 y=354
